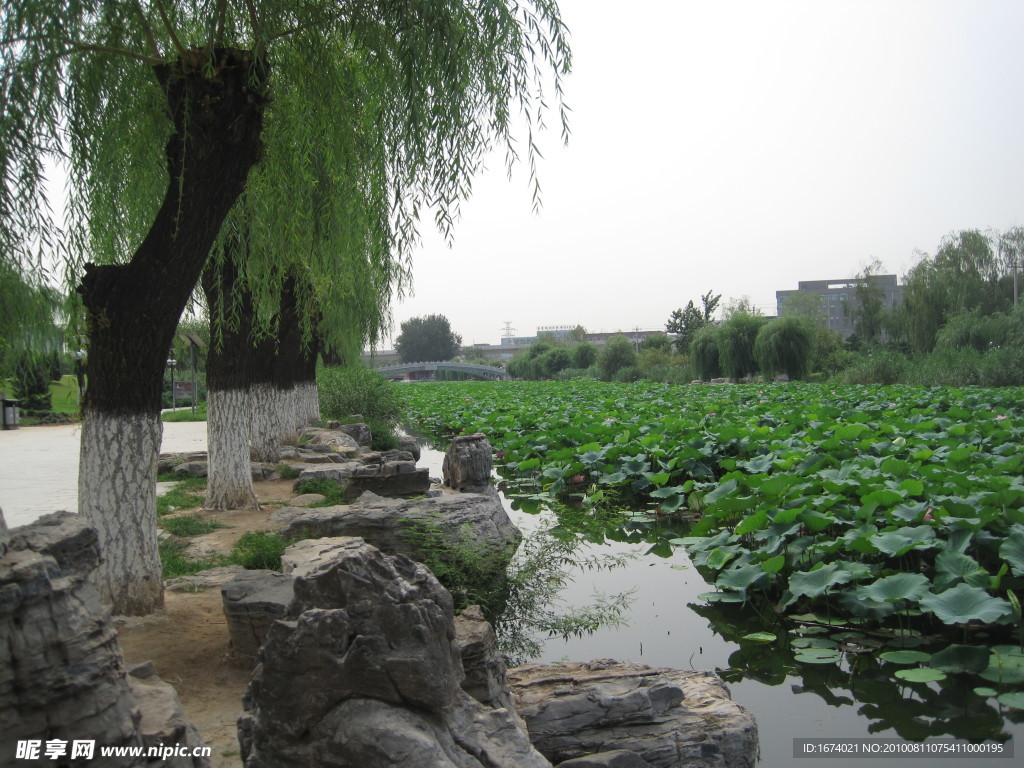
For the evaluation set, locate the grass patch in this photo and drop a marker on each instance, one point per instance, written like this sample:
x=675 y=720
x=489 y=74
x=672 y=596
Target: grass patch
x=189 y=525
x=332 y=492
x=259 y=550
x=287 y=472
x=176 y=563
x=182 y=496
x=186 y=414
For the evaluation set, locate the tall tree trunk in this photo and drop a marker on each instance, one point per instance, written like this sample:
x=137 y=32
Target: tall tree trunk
x=267 y=418
x=133 y=311
x=229 y=376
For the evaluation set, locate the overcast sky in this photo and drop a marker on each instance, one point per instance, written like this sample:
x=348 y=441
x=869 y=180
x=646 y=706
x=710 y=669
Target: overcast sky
x=740 y=146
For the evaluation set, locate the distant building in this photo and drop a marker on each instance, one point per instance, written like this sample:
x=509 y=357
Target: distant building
x=837 y=294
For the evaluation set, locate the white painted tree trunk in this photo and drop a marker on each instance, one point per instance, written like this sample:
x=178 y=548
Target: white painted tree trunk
x=229 y=480
x=268 y=423
x=309 y=402
x=117 y=495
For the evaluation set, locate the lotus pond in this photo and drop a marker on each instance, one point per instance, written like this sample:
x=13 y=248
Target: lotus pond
x=864 y=545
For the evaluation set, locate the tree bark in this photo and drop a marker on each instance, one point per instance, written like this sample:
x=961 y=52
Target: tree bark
x=229 y=384
x=133 y=311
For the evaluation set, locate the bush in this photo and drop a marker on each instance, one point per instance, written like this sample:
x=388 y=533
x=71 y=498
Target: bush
x=877 y=367
x=259 y=550
x=628 y=374
x=584 y=355
x=356 y=389
x=569 y=374
x=618 y=353
x=1001 y=367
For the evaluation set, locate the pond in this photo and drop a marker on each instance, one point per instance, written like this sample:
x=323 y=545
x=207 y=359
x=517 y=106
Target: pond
x=668 y=624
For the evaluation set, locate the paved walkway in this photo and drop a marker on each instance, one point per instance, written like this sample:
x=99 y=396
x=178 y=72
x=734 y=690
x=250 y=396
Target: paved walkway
x=39 y=466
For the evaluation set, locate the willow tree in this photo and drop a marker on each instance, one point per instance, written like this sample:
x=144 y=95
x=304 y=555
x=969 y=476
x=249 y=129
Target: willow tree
x=158 y=112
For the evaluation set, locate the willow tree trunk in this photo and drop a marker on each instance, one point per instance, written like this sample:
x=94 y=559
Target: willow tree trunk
x=133 y=311
x=229 y=389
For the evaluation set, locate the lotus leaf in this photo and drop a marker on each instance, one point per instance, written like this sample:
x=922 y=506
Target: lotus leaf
x=905 y=657
x=920 y=675
x=964 y=603
x=899 y=586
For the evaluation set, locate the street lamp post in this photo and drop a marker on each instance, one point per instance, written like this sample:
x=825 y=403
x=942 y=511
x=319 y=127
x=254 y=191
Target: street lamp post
x=171 y=362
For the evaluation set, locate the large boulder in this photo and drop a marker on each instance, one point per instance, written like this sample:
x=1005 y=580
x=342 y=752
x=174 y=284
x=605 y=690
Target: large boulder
x=670 y=718
x=467 y=463
x=481 y=661
x=62 y=676
x=253 y=600
x=413 y=527
x=364 y=672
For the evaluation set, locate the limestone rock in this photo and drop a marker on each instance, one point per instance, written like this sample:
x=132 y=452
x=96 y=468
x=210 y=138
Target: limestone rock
x=483 y=665
x=335 y=439
x=191 y=469
x=253 y=600
x=668 y=717
x=195 y=582
x=467 y=464
x=364 y=672
x=163 y=719
x=619 y=758
x=62 y=675
x=358 y=432
x=410 y=446
x=405 y=526
x=338 y=473
x=306 y=500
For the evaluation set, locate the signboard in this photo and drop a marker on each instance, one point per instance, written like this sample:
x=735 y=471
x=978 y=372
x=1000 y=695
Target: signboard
x=184 y=390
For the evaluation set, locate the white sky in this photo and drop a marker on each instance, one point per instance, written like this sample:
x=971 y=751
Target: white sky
x=740 y=146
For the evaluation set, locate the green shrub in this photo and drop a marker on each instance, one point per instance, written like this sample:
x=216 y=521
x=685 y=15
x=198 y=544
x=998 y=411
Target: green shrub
x=618 y=353
x=578 y=373
x=880 y=366
x=174 y=562
x=1001 y=367
x=736 y=344
x=356 y=389
x=287 y=472
x=383 y=436
x=259 y=550
x=189 y=525
x=584 y=355
x=333 y=493
x=628 y=374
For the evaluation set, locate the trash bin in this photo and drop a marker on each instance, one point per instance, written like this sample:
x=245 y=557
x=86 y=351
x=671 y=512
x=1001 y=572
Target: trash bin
x=10 y=413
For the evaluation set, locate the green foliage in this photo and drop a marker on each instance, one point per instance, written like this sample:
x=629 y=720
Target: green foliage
x=356 y=389
x=686 y=322
x=189 y=525
x=258 y=550
x=584 y=355
x=736 y=344
x=704 y=352
x=287 y=472
x=659 y=342
x=176 y=563
x=333 y=492
x=784 y=346
x=618 y=353
x=427 y=339
x=879 y=366
x=185 y=414
x=187 y=494
x=555 y=361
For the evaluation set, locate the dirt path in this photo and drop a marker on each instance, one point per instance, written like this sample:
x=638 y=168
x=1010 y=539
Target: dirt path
x=188 y=640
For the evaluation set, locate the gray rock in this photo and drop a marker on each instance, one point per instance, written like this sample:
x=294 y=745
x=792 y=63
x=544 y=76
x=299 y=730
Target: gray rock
x=358 y=432
x=467 y=463
x=483 y=665
x=364 y=671
x=410 y=526
x=163 y=719
x=399 y=478
x=335 y=439
x=410 y=446
x=669 y=717
x=306 y=500
x=168 y=461
x=253 y=600
x=338 y=473
x=619 y=758
x=191 y=469
x=398 y=455
x=196 y=582
x=62 y=675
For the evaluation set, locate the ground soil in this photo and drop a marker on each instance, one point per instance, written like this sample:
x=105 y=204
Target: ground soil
x=188 y=640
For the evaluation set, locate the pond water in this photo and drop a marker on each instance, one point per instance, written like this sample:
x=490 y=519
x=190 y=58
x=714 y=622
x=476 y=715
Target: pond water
x=669 y=625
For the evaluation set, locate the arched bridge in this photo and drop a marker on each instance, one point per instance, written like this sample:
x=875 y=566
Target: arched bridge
x=483 y=371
